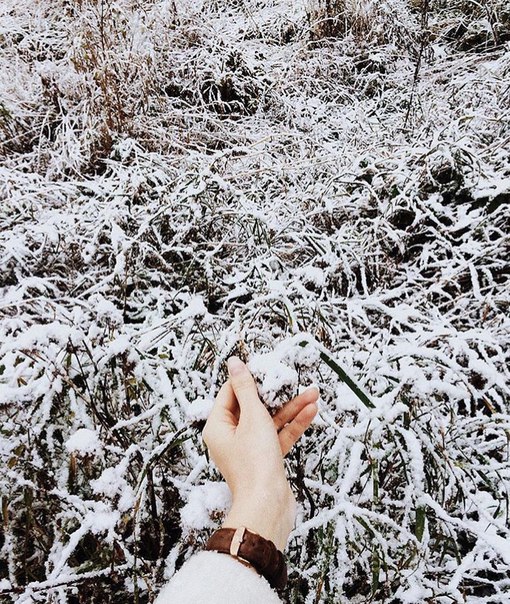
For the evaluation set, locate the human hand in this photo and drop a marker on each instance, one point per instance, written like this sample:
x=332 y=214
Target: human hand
x=248 y=447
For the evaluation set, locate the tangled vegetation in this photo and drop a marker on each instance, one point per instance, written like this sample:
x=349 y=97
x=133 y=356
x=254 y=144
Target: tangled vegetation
x=321 y=186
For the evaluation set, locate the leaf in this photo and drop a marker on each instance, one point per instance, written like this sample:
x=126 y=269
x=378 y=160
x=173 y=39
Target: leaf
x=332 y=364
x=420 y=522
x=376 y=569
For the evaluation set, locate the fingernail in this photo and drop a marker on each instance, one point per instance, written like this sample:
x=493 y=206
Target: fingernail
x=235 y=366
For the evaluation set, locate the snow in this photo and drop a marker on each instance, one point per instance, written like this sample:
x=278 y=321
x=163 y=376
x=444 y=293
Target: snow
x=84 y=441
x=203 y=501
x=180 y=182
x=273 y=373
x=199 y=409
x=112 y=483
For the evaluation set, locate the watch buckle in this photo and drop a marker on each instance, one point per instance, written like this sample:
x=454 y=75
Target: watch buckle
x=237 y=539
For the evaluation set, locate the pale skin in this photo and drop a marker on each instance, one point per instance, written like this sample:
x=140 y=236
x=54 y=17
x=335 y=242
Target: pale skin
x=248 y=447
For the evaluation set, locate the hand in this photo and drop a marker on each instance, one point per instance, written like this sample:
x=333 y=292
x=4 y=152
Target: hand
x=248 y=446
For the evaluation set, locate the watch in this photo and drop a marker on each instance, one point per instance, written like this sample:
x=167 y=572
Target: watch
x=249 y=547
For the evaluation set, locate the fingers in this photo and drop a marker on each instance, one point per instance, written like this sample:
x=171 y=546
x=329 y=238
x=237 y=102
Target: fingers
x=293 y=419
x=292 y=432
x=225 y=413
x=239 y=394
x=289 y=411
x=244 y=386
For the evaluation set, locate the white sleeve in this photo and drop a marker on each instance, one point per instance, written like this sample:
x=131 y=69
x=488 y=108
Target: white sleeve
x=214 y=578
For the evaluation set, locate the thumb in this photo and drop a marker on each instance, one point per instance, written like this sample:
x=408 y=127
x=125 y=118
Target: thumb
x=244 y=386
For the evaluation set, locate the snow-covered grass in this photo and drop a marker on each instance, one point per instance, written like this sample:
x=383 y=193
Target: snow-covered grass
x=320 y=186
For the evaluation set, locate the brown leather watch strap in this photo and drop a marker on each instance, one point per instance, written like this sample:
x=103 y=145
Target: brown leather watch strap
x=261 y=553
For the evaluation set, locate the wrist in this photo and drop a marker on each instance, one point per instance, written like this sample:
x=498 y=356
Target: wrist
x=269 y=513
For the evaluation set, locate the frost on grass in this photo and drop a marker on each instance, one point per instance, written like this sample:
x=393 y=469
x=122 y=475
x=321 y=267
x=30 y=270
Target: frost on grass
x=320 y=187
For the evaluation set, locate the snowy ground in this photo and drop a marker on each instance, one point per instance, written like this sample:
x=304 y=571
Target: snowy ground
x=319 y=186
